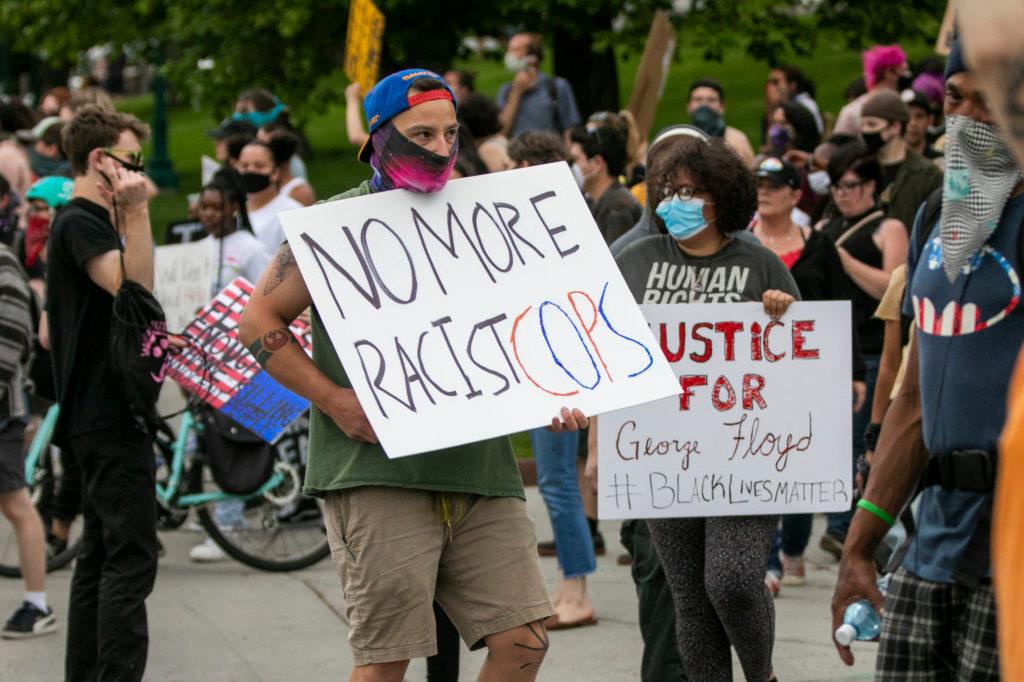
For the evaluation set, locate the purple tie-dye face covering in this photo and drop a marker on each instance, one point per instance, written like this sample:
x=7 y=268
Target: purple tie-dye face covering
x=400 y=163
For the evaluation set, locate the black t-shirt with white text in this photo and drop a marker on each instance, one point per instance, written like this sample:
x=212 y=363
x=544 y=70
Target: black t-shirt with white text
x=79 y=315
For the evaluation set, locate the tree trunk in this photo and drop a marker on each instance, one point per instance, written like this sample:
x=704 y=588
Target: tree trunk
x=593 y=75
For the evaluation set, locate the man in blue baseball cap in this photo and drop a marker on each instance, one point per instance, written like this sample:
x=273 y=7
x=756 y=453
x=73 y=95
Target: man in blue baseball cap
x=451 y=526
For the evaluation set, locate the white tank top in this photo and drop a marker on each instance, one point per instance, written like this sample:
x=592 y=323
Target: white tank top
x=286 y=188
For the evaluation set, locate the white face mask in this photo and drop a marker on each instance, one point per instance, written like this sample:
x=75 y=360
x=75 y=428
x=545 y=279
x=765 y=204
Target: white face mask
x=819 y=182
x=516 y=64
x=577 y=174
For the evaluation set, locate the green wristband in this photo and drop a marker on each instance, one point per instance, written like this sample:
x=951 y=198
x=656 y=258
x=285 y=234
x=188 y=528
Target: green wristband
x=877 y=511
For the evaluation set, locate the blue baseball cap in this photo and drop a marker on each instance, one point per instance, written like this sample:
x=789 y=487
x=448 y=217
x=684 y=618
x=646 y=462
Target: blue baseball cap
x=390 y=97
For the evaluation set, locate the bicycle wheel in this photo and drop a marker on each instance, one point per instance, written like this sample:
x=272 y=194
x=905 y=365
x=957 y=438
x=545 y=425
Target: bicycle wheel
x=271 y=537
x=46 y=476
x=280 y=531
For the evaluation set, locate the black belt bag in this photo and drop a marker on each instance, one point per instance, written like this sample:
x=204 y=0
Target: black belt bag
x=970 y=470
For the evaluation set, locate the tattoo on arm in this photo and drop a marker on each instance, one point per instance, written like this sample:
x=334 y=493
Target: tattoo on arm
x=542 y=644
x=264 y=347
x=284 y=265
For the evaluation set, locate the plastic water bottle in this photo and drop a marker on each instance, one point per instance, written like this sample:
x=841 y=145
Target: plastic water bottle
x=860 y=622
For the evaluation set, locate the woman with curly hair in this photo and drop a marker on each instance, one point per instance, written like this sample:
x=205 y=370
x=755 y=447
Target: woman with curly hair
x=714 y=565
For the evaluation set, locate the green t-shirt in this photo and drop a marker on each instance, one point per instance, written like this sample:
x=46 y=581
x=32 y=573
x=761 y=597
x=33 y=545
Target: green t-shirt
x=336 y=462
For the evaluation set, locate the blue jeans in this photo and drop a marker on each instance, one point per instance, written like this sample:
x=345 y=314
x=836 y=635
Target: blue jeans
x=839 y=522
x=791 y=539
x=555 y=455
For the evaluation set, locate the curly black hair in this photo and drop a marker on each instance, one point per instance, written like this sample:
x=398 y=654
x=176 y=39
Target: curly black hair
x=716 y=170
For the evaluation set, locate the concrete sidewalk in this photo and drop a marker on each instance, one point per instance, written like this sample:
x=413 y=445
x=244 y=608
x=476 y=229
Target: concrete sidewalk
x=229 y=623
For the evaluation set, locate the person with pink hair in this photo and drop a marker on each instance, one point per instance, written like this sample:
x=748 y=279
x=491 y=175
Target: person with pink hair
x=885 y=67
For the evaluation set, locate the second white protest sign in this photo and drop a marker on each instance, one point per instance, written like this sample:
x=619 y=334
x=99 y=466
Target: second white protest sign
x=762 y=426
x=476 y=311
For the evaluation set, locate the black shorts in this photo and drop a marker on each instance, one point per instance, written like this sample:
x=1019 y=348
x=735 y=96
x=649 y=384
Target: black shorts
x=12 y=456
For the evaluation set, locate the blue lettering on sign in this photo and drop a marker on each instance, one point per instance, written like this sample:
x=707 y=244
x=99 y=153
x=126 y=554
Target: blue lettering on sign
x=604 y=316
x=265 y=407
x=554 y=356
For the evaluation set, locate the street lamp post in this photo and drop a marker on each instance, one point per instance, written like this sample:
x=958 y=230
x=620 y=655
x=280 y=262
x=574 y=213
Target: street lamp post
x=161 y=170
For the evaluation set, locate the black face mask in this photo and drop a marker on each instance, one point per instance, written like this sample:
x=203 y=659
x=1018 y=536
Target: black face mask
x=873 y=141
x=255 y=182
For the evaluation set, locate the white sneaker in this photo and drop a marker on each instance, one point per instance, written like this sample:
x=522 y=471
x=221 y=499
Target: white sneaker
x=207 y=552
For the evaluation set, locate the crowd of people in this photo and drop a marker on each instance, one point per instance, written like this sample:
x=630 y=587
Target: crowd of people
x=908 y=204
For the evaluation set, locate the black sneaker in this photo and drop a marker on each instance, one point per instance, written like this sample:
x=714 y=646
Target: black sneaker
x=28 y=621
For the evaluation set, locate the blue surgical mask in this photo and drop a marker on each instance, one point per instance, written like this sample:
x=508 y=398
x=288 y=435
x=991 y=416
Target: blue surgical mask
x=683 y=217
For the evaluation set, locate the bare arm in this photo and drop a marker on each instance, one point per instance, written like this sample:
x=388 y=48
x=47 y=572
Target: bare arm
x=44 y=330
x=523 y=81
x=875 y=281
x=277 y=299
x=737 y=139
x=304 y=194
x=590 y=472
x=899 y=461
x=354 y=116
x=892 y=354
x=127 y=191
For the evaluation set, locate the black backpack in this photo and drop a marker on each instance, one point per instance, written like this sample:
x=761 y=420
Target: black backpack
x=239 y=460
x=138 y=348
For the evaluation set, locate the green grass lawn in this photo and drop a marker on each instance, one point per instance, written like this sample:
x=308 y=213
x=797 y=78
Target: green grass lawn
x=333 y=167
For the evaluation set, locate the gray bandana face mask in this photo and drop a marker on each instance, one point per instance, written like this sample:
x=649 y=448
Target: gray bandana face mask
x=980 y=175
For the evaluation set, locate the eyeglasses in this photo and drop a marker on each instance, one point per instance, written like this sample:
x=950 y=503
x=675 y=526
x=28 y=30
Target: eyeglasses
x=127 y=157
x=684 y=193
x=843 y=187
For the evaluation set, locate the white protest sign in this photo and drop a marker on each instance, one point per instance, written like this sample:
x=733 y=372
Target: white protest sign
x=763 y=424
x=208 y=168
x=184 y=275
x=477 y=311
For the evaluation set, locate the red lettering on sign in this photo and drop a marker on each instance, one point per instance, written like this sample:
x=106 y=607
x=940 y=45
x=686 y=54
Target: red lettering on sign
x=799 y=352
x=688 y=383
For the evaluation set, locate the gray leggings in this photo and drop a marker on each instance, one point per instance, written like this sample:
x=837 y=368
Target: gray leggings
x=715 y=570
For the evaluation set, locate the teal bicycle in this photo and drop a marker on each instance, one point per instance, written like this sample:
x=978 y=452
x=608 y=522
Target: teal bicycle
x=278 y=528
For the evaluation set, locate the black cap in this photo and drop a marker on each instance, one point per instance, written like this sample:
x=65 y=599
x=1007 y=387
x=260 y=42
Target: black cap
x=232 y=126
x=914 y=98
x=779 y=172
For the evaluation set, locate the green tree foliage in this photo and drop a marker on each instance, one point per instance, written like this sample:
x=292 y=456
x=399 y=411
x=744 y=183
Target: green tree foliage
x=295 y=47
x=769 y=30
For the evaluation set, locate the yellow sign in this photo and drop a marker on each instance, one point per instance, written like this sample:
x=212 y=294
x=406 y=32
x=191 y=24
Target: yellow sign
x=363 y=43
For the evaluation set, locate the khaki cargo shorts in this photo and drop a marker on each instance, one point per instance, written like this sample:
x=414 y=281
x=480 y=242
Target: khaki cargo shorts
x=395 y=556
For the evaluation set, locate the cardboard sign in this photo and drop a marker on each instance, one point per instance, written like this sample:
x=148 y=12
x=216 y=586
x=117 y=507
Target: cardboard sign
x=221 y=371
x=183 y=277
x=652 y=72
x=763 y=424
x=477 y=311
x=363 y=43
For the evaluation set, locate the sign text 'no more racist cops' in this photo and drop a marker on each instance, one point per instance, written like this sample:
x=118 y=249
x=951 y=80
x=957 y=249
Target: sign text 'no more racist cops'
x=476 y=311
x=762 y=424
